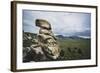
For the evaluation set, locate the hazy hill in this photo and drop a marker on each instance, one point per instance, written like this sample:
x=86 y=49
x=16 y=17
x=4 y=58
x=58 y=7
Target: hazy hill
x=70 y=37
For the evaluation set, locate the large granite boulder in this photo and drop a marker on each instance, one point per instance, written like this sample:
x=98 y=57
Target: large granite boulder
x=43 y=24
x=42 y=46
x=47 y=39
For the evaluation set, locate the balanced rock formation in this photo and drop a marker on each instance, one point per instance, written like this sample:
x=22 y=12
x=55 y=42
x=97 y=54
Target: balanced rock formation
x=43 y=24
x=42 y=46
x=47 y=40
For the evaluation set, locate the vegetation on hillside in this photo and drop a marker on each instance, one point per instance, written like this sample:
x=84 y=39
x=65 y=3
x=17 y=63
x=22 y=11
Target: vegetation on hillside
x=73 y=48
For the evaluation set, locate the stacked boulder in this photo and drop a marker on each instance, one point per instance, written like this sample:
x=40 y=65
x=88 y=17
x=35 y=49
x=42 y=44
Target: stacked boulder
x=42 y=46
x=47 y=40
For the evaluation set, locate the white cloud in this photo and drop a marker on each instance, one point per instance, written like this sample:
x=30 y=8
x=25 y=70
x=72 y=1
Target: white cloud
x=62 y=23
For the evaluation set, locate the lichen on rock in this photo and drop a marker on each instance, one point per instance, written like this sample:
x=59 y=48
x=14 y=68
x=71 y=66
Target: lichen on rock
x=49 y=45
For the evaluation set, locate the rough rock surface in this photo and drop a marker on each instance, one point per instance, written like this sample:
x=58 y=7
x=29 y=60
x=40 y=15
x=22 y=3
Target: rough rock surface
x=46 y=37
x=42 y=46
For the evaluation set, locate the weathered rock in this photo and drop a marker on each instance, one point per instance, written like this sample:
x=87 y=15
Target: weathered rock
x=44 y=37
x=33 y=53
x=43 y=24
x=45 y=32
x=52 y=49
x=47 y=39
x=42 y=46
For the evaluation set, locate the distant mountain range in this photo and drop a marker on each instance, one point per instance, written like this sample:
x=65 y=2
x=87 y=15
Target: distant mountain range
x=72 y=37
x=28 y=35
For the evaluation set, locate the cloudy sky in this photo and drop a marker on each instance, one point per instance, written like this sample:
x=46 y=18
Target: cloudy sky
x=63 y=23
